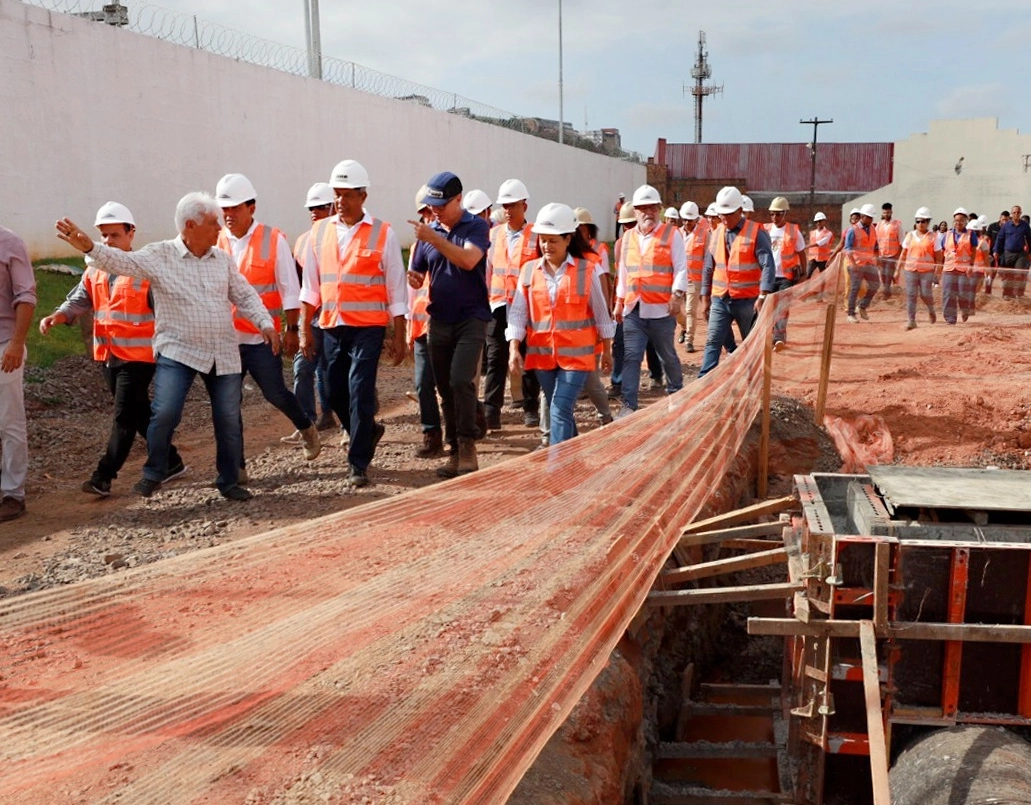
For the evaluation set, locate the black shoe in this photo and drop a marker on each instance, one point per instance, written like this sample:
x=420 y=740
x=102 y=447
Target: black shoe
x=175 y=471
x=236 y=493
x=682 y=337
x=615 y=391
x=377 y=433
x=690 y=347
x=146 y=487
x=493 y=419
x=97 y=486
x=358 y=478
x=532 y=419
x=326 y=422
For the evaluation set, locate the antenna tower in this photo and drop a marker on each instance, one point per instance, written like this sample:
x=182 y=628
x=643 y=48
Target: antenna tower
x=701 y=90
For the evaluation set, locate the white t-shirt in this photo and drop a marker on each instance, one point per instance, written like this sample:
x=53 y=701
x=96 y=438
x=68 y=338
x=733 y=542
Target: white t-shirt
x=776 y=238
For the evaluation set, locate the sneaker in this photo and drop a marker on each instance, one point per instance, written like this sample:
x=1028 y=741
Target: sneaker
x=358 y=478
x=174 y=472
x=377 y=433
x=624 y=412
x=682 y=337
x=656 y=384
x=615 y=391
x=236 y=493
x=532 y=419
x=293 y=438
x=779 y=345
x=96 y=486
x=933 y=317
x=145 y=487
x=690 y=347
x=911 y=325
x=11 y=508
x=863 y=314
x=852 y=319
x=312 y=443
x=326 y=422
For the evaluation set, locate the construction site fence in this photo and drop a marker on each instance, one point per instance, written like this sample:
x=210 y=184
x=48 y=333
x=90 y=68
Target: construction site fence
x=192 y=31
x=419 y=649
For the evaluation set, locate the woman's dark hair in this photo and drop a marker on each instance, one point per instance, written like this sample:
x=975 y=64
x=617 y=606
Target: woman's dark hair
x=579 y=247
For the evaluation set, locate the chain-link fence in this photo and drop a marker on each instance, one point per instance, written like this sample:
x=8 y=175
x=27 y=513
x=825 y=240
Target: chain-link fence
x=192 y=31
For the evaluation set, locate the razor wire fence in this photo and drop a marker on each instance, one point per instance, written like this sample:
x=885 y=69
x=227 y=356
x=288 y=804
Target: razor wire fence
x=192 y=31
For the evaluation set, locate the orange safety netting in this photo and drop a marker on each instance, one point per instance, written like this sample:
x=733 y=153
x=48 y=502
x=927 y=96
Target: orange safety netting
x=416 y=650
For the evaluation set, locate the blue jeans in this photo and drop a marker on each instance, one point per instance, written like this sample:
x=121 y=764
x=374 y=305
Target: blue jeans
x=723 y=312
x=857 y=276
x=561 y=388
x=172 y=381
x=310 y=376
x=352 y=359
x=261 y=363
x=637 y=333
x=429 y=410
x=918 y=283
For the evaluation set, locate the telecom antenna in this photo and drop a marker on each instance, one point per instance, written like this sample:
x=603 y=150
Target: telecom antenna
x=701 y=90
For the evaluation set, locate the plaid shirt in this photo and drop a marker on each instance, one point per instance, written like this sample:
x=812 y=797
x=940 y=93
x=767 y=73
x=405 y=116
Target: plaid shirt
x=193 y=298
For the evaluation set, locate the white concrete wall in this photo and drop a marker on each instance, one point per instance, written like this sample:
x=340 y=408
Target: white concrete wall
x=992 y=178
x=94 y=113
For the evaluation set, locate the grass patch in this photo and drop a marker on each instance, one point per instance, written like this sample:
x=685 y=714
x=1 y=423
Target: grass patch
x=51 y=289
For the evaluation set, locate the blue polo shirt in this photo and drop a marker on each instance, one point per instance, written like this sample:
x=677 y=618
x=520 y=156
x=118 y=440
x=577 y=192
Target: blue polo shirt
x=456 y=294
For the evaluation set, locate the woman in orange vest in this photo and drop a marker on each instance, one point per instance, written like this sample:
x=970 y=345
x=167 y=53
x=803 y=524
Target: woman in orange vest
x=560 y=310
x=918 y=261
x=960 y=248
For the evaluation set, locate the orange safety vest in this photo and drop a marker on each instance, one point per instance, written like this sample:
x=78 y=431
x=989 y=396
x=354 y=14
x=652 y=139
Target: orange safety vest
x=981 y=255
x=959 y=252
x=789 y=263
x=420 y=316
x=739 y=274
x=301 y=248
x=920 y=252
x=820 y=254
x=505 y=270
x=601 y=249
x=123 y=322
x=864 y=246
x=258 y=266
x=649 y=276
x=352 y=284
x=560 y=334
x=695 y=245
x=889 y=235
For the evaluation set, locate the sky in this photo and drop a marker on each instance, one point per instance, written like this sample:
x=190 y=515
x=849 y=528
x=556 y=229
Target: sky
x=881 y=69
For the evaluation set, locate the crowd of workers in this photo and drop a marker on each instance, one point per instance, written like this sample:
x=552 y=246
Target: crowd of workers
x=488 y=299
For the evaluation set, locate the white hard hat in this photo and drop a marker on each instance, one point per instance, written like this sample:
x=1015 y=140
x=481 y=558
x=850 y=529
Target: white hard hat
x=853 y=211
x=233 y=189
x=923 y=212
x=819 y=217
x=583 y=215
x=689 y=211
x=497 y=216
x=728 y=200
x=671 y=212
x=555 y=219
x=114 y=213
x=868 y=209
x=512 y=190
x=747 y=205
x=349 y=175
x=476 y=201
x=710 y=211
x=626 y=213
x=779 y=204
x=645 y=195
x=319 y=195
x=976 y=225
x=420 y=198
x=961 y=211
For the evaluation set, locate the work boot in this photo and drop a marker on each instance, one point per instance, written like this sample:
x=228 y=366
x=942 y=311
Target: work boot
x=326 y=422
x=432 y=444
x=450 y=469
x=493 y=419
x=467 y=456
x=312 y=443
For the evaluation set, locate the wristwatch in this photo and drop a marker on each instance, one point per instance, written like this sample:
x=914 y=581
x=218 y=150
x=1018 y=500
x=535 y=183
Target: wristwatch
x=679 y=294
x=293 y=328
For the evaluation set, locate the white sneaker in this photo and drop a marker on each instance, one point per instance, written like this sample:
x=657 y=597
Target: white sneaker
x=853 y=320
x=312 y=443
x=293 y=438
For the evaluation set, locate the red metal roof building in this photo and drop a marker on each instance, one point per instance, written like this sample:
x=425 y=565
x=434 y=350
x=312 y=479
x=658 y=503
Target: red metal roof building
x=782 y=167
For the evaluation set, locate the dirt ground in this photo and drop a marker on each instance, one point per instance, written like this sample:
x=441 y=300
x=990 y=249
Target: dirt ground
x=950 y=395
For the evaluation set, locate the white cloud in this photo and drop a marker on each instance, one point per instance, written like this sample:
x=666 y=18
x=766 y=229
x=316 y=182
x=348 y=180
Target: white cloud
x=980 y=100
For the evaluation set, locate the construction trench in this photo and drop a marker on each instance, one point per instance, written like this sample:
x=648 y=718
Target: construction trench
x=625 y=631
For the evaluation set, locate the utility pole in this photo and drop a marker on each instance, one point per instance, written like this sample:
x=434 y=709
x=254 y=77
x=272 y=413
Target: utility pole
x=313 y=38
x=815 y=123
x=561 y=111
x=701 y=90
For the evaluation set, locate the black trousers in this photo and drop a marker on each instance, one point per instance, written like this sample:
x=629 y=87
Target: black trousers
x=455 y=354
x=495 y=368
x=129 y=382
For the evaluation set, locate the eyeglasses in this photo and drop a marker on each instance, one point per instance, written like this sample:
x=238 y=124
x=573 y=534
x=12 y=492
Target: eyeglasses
x=923 y=220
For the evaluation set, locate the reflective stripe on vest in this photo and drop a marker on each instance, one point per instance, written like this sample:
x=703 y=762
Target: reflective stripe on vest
x=820 y=254
x=561 y=333
x=888 y=238
x=864 y=246
x=695 y=246
x=920 y=252
x=420 y=316
x=123 y=323
x=649 y=276
x=504 y=269
x=739 y=274
x=258 y=266
x=959 y=252
x=789 y=263
x=353 y=284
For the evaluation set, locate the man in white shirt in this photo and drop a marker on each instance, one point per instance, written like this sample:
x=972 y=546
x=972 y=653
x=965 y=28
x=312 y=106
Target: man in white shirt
x=355 y=272
x=195 y=287
x=264 y=258
x=788 y=244
x=650 y=292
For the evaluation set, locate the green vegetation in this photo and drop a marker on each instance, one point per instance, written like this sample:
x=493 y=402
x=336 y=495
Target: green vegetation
x=60 y=342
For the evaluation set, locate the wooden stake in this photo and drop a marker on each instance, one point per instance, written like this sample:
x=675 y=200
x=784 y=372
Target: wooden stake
x=732 y=564
x=877 y=741
x=734 y=532
x=722 y=595
x=880 y=584
x=762 y=482
x=825 y=361
x=744 y=515
x=897 y=630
